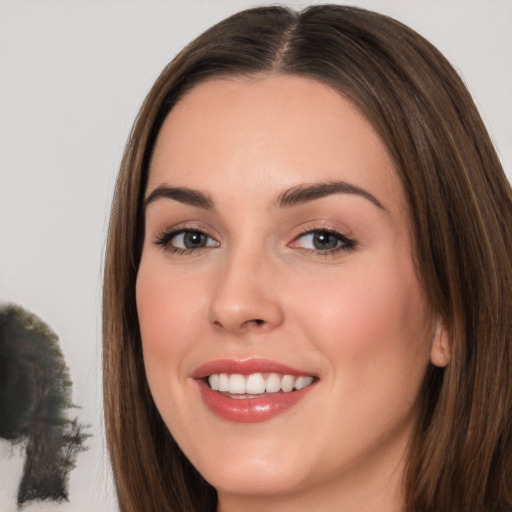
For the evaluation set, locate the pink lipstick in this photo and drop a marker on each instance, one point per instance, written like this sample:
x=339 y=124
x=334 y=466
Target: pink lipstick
x=251 y=390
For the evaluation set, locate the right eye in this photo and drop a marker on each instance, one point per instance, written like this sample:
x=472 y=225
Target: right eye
x=185 y=241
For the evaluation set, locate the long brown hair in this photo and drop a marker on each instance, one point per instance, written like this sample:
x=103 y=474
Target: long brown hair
x=460 y=203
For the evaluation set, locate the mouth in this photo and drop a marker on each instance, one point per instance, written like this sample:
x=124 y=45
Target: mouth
x=236 y=385
x=252 y=390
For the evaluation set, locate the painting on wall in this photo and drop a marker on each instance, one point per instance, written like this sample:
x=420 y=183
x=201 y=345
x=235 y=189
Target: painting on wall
x=36 y=405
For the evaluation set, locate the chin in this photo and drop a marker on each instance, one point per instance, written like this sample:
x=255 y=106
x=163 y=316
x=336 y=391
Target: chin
x=248 y=470
x=253 y=479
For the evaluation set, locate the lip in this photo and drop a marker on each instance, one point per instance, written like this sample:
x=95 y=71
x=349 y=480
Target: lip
x=246 y=367
x=248 y=410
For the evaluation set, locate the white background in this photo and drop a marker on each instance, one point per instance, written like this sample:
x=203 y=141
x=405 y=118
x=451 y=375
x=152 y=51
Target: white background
x=72 y=76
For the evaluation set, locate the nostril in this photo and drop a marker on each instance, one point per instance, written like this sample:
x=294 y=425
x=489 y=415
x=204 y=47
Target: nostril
x=256 y=322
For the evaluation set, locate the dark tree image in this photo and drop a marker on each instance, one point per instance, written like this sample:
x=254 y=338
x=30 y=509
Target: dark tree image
x=35 y=395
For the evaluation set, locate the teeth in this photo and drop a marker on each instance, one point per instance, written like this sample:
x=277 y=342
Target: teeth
x=288 y=383
x=273 y=383
x=214 y=381
x=236 y=384
x=223 y=382
x=302 y=382
x=257 y=383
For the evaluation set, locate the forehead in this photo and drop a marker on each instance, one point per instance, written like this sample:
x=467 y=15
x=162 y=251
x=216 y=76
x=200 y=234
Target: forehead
x=278 y=129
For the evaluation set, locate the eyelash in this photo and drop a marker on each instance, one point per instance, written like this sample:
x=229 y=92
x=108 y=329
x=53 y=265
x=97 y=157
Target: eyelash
x=346 y=244
x=164 y=241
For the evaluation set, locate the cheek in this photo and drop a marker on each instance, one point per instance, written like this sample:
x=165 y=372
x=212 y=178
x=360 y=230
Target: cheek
x=167 y=310
x=168 y=307
x=370 y=324
x=369 y=319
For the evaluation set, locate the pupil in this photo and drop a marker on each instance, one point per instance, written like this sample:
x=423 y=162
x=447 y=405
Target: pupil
x=194 y=239
x=323 y=240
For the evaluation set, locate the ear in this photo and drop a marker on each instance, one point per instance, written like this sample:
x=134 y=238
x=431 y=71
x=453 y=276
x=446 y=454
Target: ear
x=441 y=351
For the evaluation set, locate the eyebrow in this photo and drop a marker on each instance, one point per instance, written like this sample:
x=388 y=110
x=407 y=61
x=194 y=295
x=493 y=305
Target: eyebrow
x=181 y=194
x=309 y=192
x=296 y=195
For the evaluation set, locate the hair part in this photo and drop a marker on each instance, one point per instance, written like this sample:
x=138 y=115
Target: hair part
x=460 y=204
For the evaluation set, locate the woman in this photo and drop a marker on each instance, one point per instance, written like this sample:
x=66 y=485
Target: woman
x=307 y=300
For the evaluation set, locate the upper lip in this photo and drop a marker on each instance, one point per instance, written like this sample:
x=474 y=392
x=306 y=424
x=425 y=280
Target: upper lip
x=246 y=367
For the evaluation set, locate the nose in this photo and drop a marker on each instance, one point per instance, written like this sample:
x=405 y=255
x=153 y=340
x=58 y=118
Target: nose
x=245 y=297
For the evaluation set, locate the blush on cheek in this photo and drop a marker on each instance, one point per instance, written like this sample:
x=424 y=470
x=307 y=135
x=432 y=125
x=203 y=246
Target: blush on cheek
x=150 y=311
x=168 y=309
x=363 y=318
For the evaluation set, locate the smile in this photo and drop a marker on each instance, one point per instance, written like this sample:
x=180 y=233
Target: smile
x=257 y=384
x=252 y=390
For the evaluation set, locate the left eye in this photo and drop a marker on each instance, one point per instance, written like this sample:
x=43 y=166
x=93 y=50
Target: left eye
x=323 y=241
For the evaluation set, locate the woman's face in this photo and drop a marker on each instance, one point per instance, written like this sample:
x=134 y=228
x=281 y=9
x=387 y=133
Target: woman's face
x=277 y=256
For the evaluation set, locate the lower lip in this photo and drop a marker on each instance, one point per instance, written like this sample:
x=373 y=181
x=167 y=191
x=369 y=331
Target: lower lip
x=250 y=410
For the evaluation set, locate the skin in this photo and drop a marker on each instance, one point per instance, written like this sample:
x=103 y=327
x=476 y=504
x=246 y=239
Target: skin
x=355 y=318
